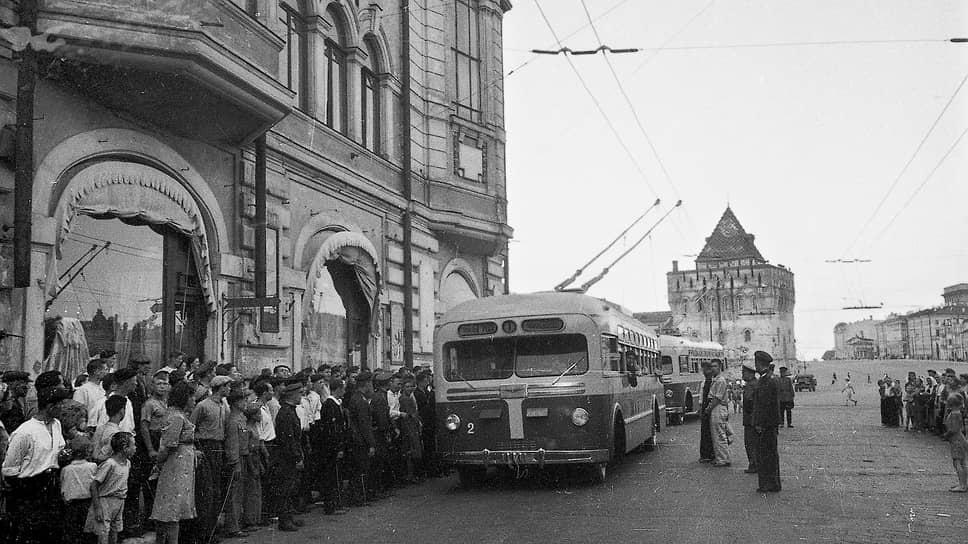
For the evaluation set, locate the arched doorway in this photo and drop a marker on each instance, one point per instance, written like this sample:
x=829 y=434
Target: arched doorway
x=455 y=289
x=339 y=306
x=130 y=263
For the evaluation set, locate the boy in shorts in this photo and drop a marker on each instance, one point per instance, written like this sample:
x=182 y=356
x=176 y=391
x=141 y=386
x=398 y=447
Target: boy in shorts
x=109 y=489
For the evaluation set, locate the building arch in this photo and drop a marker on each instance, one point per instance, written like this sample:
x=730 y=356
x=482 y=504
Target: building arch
x=457 y=284
x=345 y=20
x=76 y=152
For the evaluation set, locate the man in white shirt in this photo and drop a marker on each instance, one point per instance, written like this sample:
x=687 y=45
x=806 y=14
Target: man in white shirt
x=266 y=427
x=90 y=392
x=29 y=470
x=393 y=397
x=120 y=383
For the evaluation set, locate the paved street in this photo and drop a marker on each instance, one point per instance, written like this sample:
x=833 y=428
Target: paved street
x=845 y=479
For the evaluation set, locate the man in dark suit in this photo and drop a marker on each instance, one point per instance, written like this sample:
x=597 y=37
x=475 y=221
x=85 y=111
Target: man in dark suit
x=287 y=455
x=362 y=443
x=749 y=433
x=380 y=470
x=332 y=438
x=787 y=395
x=140 y=462
x=766 y=419
x=706 y=453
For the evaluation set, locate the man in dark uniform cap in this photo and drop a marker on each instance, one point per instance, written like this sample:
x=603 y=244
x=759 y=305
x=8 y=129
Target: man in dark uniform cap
x=380 y=477
x=18 y=382
x=766 y=419
x=362 y=442
x=286 y=456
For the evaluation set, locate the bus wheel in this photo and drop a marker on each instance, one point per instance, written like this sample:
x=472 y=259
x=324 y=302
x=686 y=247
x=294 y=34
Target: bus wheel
x=470 y=477
x=618 y=451
x=599 y=472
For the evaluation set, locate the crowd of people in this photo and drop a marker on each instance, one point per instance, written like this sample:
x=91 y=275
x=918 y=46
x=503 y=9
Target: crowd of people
x=934 y=403
x=196 y=452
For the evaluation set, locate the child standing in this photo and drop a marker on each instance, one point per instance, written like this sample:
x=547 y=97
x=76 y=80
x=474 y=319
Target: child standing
x=75 y=480
x=109 y=489
x=959 y=445
x=115 y=406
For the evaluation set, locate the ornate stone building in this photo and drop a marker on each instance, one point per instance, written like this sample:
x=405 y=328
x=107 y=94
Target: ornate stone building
x=372 y=130
x=734 y=296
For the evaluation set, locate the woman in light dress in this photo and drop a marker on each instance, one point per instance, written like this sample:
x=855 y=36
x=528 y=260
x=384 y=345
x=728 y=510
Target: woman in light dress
x=175 y=497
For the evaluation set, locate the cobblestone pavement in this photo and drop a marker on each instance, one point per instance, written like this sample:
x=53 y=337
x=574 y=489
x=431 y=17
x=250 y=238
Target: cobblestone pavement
x=845 y=479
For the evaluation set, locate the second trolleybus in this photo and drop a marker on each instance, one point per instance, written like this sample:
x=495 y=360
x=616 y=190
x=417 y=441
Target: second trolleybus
x=682 y=360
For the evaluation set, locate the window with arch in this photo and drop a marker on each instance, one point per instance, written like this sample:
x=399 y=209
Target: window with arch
x=739 y=303
x=292 y=58
x=370 y=100
x=335 y=67
x=685 y=306
x=467 y=59
x=747 y=335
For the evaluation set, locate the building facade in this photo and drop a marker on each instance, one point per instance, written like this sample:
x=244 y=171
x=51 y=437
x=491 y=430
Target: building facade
x=844 y=332
x=372 y=131
x=734 y=296
x=892 y=337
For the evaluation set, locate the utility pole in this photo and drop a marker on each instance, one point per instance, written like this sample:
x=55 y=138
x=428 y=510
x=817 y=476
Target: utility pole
x=24 y=158
x=407 y=193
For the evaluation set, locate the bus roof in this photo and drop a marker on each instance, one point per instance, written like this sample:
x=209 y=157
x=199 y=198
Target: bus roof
x=673 y=341
x=542 y=303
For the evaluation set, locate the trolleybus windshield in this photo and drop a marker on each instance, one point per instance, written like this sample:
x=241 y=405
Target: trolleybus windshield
x=528 y=357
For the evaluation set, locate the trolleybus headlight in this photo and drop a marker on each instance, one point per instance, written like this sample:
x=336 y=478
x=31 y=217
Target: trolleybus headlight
x=452 y=422
x=669 y=394
x=579 y=417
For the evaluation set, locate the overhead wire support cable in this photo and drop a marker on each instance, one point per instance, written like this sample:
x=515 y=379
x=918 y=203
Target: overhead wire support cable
x=907 y=164
x=561 y=286
x=598 y=105
x=628 y=100
x=923 y=183
x=585 y=286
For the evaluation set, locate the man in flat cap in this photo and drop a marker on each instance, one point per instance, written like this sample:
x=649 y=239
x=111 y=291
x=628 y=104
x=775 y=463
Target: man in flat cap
x=362 y=442
x=18 y=383
x=749 y=433
x=787 y=395
x=380 y=478
x=766 y=419
x=286 y=456
x=209 y=418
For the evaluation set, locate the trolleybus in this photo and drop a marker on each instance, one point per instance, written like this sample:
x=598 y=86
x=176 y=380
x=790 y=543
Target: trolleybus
x=543 y=379
x=682 y=362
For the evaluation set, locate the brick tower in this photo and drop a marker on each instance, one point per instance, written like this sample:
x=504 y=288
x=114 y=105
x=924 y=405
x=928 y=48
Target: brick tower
x=734 y=296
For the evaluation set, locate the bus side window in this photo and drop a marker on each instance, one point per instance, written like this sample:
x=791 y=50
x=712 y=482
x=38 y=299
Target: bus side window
x=683 y=364
x=666 y=367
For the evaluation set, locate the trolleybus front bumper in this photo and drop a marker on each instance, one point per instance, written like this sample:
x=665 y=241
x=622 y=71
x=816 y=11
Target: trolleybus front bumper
x=675 y=409
x=538 y=457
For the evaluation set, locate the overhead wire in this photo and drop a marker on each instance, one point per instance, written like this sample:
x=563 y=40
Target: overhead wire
x=598 y=105
x=662 y=47
x=907 y=165
x=923 y=184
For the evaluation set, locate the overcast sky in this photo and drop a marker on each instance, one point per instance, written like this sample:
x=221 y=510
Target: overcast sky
x=802 y=141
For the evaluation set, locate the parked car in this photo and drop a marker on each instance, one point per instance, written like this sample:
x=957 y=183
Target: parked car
x=805 y=381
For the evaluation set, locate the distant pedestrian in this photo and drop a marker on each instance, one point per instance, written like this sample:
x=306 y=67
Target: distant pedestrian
x=848 y=392
x=787 y=395
x=834 y=381
x=868 y=378
x=958 y=443
x=766 y=419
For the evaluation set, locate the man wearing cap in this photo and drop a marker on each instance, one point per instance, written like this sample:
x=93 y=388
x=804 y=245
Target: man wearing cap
x=286 y=456
x=209 y=417
x=140 y=462
x=380 y=471
x=90 y=392
x=786 y=395
x=718 y=414
x=766 y=419
x=282 y=371
x=749 y=433
x=18 y=383
x=706 y=452
x=122 y=383
x=30 y=471
x=362 y=441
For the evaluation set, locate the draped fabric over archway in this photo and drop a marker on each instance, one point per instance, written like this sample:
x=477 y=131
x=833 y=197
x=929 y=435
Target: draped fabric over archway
x=356 y=251
x=138 y=195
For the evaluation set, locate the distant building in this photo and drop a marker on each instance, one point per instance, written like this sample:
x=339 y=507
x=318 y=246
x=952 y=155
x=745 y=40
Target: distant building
x=859 y=347
x=843 y=332
x=734 y=296
x=660 y=322
x=892 y=337
x=956 y=295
